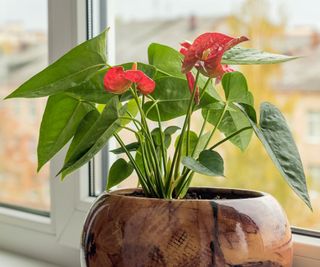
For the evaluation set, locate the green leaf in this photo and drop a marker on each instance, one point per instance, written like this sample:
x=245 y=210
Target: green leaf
x=156 y=136
x=130 y=147
x=94 y=139
x=59 y=123
x=277 y=139
x=91 y=89
x=247 y=56
x=147 y=69
x=82 y=130
x=203 y=140
x=209 y=163
x=129 y=107
x=69 y=71
x=236 y=91
x=119 y=171
x=173 y=96
x=193 y=138
x=166 y=59
x=171 y=130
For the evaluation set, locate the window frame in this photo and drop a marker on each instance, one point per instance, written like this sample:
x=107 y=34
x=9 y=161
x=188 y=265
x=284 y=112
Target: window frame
x=57 y=239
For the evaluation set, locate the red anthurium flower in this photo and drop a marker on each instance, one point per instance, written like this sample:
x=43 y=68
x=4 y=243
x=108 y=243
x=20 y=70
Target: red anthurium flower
x=118 y=81
x=206 y=52
x=191 y=81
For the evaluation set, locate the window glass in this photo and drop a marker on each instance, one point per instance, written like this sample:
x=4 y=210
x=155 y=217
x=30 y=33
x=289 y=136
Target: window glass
x=289 y=27
x=23 y=52
x=313 y=127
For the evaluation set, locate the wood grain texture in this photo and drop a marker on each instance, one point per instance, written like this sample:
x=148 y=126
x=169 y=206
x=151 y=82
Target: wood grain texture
x=128 y=231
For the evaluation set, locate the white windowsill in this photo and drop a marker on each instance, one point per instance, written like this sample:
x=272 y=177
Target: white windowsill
x=8 y=259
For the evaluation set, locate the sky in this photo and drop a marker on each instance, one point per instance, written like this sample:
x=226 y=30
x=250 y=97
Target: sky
x=33 y=13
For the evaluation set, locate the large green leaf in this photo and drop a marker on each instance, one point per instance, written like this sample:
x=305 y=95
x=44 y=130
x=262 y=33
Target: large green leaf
x=246 y=56
x=277 y=139
x=236 y=91
x=59 y=123
x=93 y=89
x=166 y=59
x=72 y=69
x=93 y=140
x=173 y=96
x=119 y=171
x=209 y=163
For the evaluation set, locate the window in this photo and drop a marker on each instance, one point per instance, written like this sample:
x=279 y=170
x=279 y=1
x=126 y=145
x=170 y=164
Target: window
x=23 y=52
x=271 y=25
x=55 y=237
x=313 y=126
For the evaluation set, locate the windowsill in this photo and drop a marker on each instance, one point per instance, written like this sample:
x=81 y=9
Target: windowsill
x=14 y=260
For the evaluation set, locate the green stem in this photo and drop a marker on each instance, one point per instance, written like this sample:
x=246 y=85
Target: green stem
x=183 y=179
x=164 y=160
x=149 y=136
x=133 y=162
x=177 y=154
x=230 y=136
x=217 y=124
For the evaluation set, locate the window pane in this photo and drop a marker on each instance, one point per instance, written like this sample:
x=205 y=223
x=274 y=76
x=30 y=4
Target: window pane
x=23 y=52
x=285 y=26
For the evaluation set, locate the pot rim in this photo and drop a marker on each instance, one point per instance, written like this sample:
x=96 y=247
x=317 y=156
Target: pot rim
x=247 y=194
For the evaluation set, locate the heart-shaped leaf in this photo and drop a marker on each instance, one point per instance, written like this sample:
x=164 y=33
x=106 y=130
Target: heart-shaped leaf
x=209 y=163
x=277 y=139
x=236 y=91
x=59 y=123
x=166 y=59
x=173 y=96
x=72 y=69
x=119 y=171
x=247 y=56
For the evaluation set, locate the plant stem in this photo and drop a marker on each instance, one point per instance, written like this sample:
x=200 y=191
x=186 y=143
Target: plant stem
x=151 y=146
x=133 y=162
x=177 y=153
x=230 y=136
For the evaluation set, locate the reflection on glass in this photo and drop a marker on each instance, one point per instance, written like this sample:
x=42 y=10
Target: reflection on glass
x=277 y=26
x=23 y=52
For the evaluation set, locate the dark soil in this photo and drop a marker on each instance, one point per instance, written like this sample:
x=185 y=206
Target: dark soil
x=210 y=193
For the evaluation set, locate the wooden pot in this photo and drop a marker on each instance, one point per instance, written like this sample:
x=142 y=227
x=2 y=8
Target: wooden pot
x=228 y=228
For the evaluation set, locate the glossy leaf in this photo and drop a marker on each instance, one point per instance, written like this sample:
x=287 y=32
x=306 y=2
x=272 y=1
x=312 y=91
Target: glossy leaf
x=71 y=70
x=93 y=140
x=236 y=91
x=59 y=123
x=166 y=59
x=209 y=163
x=247 y=56
x=173 y=97
x=277 y=139
x=119 y=171
x=130 y=147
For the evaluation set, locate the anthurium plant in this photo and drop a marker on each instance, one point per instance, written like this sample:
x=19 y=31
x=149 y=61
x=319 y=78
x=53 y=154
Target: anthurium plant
x=89 y=102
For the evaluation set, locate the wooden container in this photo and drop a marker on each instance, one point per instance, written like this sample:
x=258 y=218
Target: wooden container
x=227 y=228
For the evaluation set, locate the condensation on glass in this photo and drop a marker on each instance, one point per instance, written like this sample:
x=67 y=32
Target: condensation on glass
x=23 y=52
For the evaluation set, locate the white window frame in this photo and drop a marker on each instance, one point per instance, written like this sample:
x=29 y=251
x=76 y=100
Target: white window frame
x=57 y=239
